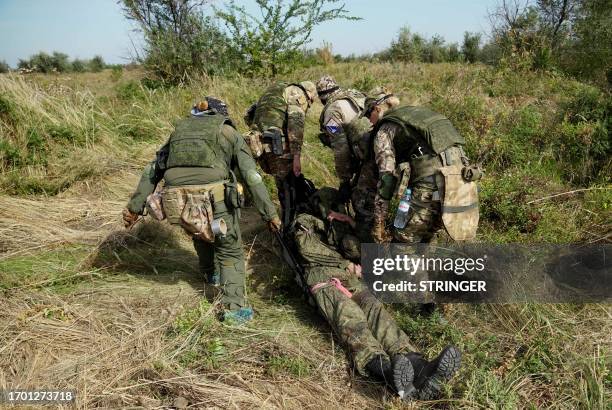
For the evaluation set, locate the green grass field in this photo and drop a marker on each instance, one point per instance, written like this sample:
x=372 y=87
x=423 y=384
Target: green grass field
x=120 y=316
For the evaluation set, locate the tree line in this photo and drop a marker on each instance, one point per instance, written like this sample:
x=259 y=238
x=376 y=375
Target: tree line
x=56 y=62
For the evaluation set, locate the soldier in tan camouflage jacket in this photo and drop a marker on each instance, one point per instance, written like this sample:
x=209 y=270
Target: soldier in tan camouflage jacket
x=341 y=106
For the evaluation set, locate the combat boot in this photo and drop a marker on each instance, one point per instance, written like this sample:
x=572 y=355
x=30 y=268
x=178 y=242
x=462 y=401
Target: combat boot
x=397 y=374
x=429 y=376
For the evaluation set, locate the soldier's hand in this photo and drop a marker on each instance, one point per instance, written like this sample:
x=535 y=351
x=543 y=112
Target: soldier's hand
x=333 y=215
x=354 y=269
x=297 y=165
x=129 y=218
x=274 y=224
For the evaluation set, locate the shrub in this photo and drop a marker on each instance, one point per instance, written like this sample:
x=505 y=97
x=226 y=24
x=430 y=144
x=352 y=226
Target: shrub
x=96 y=64
x=78 y=66
x=4 y=67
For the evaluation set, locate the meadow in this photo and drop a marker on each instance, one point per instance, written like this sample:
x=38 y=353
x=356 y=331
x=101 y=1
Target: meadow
x=119 y=316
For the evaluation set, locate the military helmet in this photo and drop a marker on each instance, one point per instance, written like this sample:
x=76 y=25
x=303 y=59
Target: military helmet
x=311 y=90
x=210 y=104
x=376 y=96
x=325 y=86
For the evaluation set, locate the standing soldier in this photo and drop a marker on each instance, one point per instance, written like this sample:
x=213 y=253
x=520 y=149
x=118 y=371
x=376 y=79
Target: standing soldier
x=201 y=194
x=359 y=136
x=341 y=107
x=277 y=128
x=424 y=152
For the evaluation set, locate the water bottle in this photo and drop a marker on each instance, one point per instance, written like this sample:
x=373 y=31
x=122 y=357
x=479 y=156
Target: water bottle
x=401 y=215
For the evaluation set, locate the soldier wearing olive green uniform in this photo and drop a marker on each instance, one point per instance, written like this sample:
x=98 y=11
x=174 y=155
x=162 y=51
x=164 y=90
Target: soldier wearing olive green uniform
x=341 y=106
x=376 y=345
x=200 y=156
x=281 y=110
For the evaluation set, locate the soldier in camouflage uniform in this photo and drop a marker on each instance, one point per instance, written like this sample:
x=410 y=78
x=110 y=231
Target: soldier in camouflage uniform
x=341 y=106
x=281 y=112
x=421 y=150
x=359 y=137
x=196 y=165
x=420 y=142
x=377 y=346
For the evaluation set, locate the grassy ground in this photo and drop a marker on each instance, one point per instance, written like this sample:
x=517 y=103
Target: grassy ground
x=120 y=316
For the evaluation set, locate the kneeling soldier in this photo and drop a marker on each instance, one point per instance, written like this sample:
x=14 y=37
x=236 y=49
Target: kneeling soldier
x=201 y=194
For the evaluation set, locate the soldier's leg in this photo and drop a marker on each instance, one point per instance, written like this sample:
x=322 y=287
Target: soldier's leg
x=206 y=258
x=424 y=215
x=383 y=325
x=229 y=257
x=345 y=317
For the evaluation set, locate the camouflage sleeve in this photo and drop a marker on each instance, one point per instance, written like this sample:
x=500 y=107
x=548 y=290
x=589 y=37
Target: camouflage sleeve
x=243 y=159
x=146 y=186
x=333 y=125
x=297 y=104
x=295 y=128
x=384 y=153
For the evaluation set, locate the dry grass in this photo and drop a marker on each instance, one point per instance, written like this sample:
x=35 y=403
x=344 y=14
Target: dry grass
x=120 y=317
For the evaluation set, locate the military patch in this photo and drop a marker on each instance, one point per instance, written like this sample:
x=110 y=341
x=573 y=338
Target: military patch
x=333 y=127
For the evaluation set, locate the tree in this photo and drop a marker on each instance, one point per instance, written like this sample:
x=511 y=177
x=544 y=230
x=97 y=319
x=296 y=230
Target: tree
x=96 y=64
x=179 y=38
x=471 y=46
x=268 y=44
x=78 y=66
x=4 y=67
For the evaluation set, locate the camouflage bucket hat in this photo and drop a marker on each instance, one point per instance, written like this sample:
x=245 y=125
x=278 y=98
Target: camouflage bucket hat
x=376 y=96
x=326 y=85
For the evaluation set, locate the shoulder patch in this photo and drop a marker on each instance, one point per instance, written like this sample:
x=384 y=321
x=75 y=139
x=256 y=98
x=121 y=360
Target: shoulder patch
x=333 y=127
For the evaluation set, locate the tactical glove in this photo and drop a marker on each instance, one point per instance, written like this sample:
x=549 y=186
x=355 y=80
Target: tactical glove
x=129 y=218
x=274 y=224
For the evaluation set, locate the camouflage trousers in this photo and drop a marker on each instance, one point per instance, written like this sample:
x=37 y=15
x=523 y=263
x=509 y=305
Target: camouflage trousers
x=361 y=323
x=362 y=199
x=424 y=222
x=225 y=259
x=424 y=218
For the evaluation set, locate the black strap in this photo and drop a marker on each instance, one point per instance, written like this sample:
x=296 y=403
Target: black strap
x=458 y=209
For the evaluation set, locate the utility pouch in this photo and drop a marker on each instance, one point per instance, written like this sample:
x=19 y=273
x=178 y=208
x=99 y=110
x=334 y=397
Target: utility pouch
x=154 y=206
x=460 y=212
x=234 y=193
x=253 y=139
x=197 y=218
x=404 y=179
x=274 y=137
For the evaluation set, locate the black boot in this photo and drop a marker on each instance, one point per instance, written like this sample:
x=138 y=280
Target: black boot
x=397 y=374
x=429 y=376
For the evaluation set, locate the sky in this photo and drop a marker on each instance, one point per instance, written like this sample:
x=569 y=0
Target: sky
x=84 y=28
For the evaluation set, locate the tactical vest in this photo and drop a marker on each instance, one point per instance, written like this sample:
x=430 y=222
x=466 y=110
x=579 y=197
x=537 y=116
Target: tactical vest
x=434 y=131
x=271 y=109
x=356 y=98
x=196 y=142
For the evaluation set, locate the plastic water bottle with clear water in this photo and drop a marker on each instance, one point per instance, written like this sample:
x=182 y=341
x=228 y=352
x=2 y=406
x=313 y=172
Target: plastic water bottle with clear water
x=401 y=215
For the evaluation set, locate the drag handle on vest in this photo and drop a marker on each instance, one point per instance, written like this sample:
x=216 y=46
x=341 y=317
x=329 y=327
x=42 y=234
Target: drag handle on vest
x=274 y=137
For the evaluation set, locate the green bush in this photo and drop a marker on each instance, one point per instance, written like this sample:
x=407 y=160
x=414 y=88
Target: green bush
x=78 y=66
x=4 y=67
x=96 y=64
x=9 y=154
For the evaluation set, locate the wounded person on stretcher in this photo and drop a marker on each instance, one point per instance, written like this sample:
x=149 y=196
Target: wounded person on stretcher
x=330 y=255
